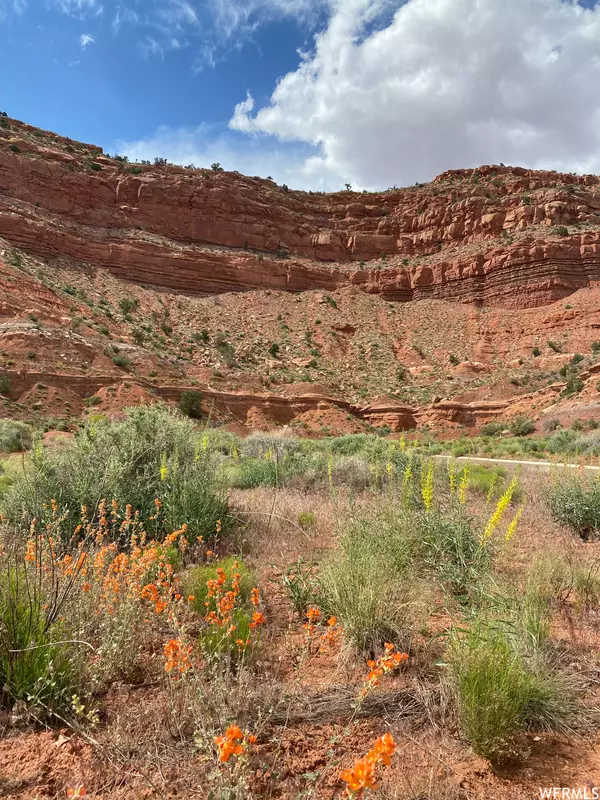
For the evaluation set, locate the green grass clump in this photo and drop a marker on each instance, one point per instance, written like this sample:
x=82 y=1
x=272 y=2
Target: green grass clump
x=492 y=428
x=367 y=584
x=450 y=547
x=250 y=473
x=501 y=692
x=487 y=481
x=14 y=436
x=521 y=426
x=33 y=669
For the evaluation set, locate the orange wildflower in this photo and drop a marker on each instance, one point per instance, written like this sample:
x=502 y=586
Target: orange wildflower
x=362 y=775
x=178 y=657
x=78 y=791
x=233 y=743
x=313 y=616
x=387 y=663
x=257 y=619
x=255 y=597
x=30 y=552
x=333 y=632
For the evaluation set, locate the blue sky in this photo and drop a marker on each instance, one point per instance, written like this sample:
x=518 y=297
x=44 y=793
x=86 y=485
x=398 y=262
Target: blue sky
x=313 y=92
x=133 y=76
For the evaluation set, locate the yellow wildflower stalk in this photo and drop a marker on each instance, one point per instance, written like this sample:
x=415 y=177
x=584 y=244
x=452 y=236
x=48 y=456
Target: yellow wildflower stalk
x=164 y=470
x=452 y=475
x=496 y=517
x=464 y=482
x=510 y=532
x=427 y=487
x=492 y=488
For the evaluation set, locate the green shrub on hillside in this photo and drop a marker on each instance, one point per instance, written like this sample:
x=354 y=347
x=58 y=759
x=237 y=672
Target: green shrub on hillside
x=521 y=426
x=190 y=404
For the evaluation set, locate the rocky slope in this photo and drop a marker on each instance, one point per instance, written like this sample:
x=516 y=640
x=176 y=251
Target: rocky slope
x=122 y=282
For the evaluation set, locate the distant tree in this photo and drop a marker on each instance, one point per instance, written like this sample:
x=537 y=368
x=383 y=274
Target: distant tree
x=348 y=186
x=190 y=403
x=216 y=167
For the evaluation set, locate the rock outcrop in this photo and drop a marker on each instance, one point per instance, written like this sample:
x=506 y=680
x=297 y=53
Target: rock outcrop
x=492 y=236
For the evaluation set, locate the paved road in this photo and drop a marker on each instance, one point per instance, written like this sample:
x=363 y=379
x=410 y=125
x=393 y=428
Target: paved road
x=544 y=466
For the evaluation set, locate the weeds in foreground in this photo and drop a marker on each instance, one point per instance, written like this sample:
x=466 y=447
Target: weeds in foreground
x=502 y=692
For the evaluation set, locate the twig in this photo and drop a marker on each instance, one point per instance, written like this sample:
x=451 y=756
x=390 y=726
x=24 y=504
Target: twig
x=53 y=644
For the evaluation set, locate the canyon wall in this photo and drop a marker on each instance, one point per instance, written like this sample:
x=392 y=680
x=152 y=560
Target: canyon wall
x=484 y=236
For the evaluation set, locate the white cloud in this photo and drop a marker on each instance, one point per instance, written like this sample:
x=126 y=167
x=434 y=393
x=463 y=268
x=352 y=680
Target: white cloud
x=79 y=7
x=122 y=16
x=85 y=40
x=213 y=26
x=179 y=13
x=151 y=47
x=204 y=145
x=448 y=83
x=16 y=6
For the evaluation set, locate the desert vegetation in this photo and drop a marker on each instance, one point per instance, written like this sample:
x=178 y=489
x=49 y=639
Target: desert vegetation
x=301 y=618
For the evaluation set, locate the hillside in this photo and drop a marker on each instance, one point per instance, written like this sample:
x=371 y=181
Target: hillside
x=444 y=304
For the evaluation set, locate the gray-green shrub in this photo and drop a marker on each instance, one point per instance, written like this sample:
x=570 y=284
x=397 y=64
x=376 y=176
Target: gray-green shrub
x=152 y=454
x=14 y=436
x=574 y=500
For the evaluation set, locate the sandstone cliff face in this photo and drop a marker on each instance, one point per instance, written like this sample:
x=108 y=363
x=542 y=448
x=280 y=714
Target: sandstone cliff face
x=477 y=236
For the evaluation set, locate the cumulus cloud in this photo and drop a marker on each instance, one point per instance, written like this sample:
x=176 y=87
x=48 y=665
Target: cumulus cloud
x=205 y=145
x=445 y=84
x=85 y=40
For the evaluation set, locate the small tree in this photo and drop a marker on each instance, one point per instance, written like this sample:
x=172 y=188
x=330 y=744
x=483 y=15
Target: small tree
x=190 y=403
x=348 y=187
x=274 y=350
x=216 y=167
x=128 y=304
